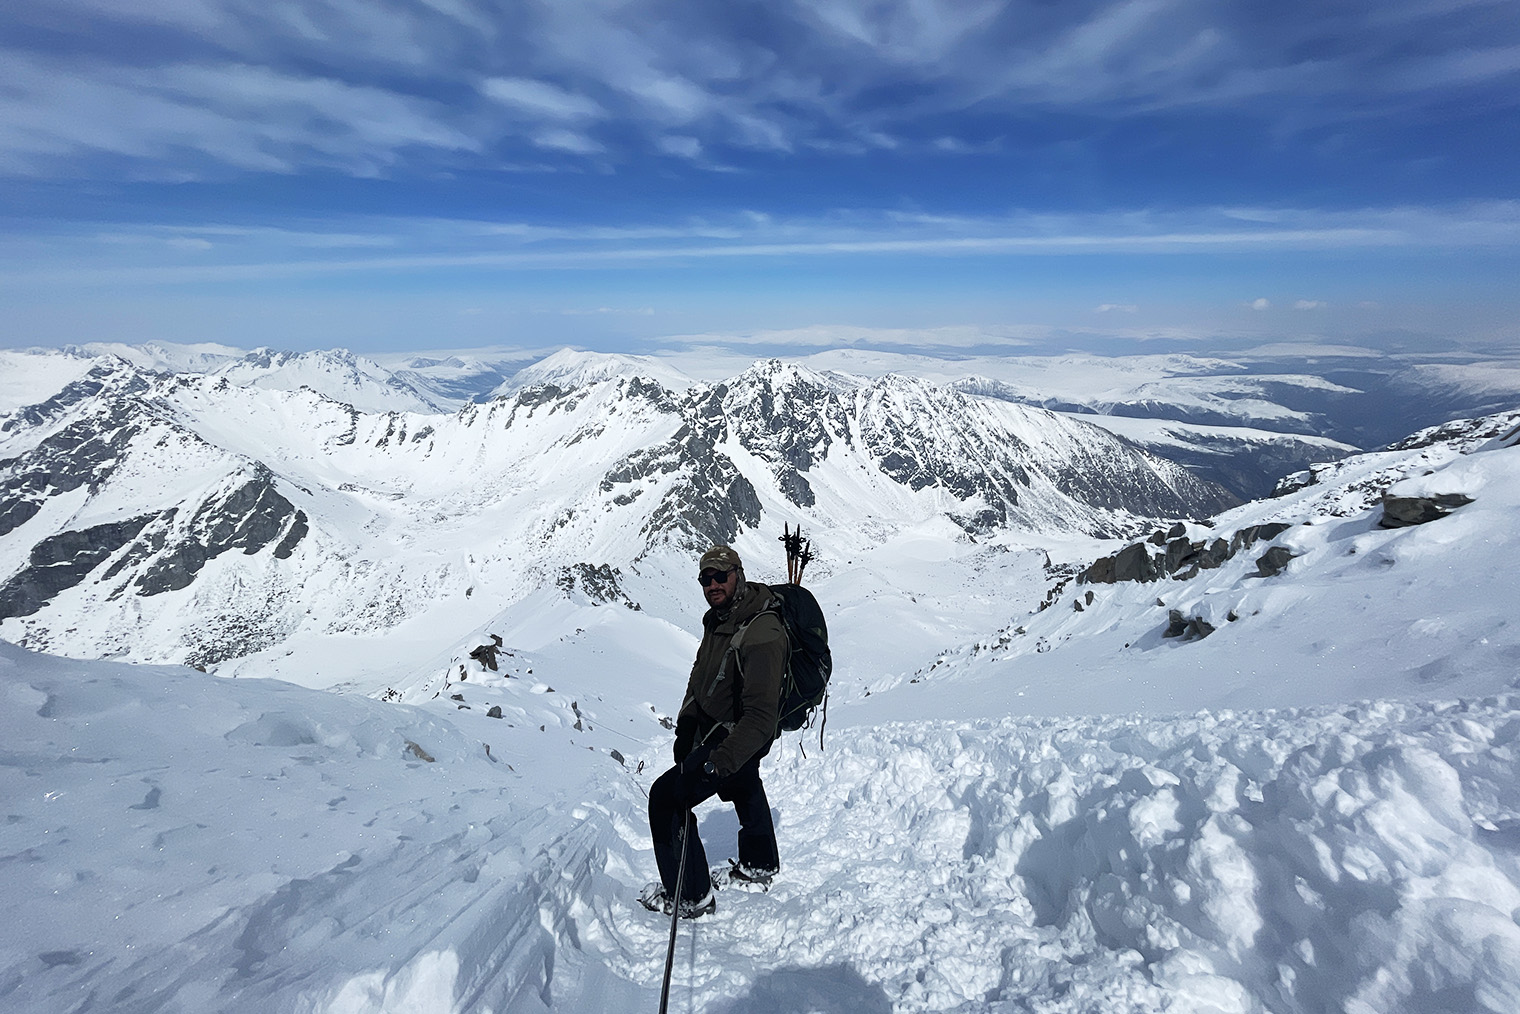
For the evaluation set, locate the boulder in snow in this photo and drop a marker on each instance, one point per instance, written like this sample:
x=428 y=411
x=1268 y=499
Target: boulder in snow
x=1272 y=562
x=1404 y=511
x=1189 y=628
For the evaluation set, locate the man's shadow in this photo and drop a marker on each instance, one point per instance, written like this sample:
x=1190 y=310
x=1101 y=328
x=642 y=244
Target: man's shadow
x=718 y=825
x=834 y=989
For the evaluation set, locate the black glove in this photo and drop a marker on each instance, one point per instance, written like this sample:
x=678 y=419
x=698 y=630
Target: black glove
x=686 y=736
x=698 y=769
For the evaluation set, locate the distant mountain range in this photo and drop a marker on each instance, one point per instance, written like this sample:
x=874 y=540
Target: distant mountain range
x=198 y=504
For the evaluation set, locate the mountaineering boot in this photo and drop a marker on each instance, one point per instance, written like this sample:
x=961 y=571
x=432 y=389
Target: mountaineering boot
x=654 y=898
x=705 y=905
x=744 y=874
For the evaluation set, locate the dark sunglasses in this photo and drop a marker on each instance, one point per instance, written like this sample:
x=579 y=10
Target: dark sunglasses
x=708 y=577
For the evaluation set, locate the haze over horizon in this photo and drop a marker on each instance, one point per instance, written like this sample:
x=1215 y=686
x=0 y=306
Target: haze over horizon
x=939 y=177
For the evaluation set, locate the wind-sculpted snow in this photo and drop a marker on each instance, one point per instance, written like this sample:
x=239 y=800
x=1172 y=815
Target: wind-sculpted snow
x=178 y=843
x=1358 y=859
x=172 y=842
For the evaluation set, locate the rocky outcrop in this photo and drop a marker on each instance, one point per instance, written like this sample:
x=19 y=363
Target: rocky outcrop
x=251 y=517
x=789 y=418
x=924 y=436
x=1405 y=511
x=158 y=551
x=999 y=466
x=485 y=654
x=83 y=453
x=1189 y=628
x=601 y=584
x=1273 y=561
x=1462 y=436
x=710 y=501
x=62 y=561
x=1178 y=555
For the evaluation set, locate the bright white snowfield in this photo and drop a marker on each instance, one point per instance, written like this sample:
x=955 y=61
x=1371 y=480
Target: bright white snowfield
x=1028 y=799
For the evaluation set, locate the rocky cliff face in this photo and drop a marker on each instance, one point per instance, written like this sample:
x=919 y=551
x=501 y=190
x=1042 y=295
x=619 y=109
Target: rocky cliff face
x=108 y=494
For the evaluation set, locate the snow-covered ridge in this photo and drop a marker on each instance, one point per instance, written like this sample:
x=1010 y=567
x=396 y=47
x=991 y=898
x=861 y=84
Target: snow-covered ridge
x=1331 y=604
x=568 y=368
x=127 y=494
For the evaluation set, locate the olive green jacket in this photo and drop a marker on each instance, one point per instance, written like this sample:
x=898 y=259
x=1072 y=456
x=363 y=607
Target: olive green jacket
x=743 y=697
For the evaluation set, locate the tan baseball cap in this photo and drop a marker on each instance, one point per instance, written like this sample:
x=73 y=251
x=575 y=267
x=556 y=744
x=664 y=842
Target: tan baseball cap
x=719 y=558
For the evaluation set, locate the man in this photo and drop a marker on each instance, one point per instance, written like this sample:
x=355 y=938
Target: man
x=725 y=726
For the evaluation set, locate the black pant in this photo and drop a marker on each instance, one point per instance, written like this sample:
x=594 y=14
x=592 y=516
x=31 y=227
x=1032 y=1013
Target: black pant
x=674 y=795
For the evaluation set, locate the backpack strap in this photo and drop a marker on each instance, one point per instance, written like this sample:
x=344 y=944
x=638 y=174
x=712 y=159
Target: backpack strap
x=732 y=652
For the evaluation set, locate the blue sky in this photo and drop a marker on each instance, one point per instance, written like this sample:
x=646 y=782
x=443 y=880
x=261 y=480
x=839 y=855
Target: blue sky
x=388 y=174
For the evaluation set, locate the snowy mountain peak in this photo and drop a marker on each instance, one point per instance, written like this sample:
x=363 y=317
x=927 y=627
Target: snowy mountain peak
x=337 y=374
x=569 y=368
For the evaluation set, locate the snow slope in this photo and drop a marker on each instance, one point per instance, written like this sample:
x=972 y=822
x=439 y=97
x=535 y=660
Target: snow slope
x=1359 y=612
x=178 y=843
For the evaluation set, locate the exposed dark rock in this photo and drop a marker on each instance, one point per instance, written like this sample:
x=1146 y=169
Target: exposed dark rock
x=1295 y=481
x=601 y=584
x=796 y=488
x=1464 y=434
x=1178 y=552
x=84 y=453
x=1404 y=511
x=1189 y=628
x=115 y=374
x=63 y=561
x=297 y=531
x=249 y=518
x=787 y=418
x=1182 y=559
x=1135 y=563
x=1217 y=553
x=494 y=711
x=710 y=500
x=233 y=635
x=537 y=395
x=1272 y=562
x=485 y=654
x=1253 y=534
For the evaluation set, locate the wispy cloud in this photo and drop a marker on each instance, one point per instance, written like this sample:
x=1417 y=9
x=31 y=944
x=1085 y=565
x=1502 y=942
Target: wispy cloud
x=240 y=116
x=362 y=85
x=566 y=140
x=541 y=99
x=836 y=336
x=215 y=252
